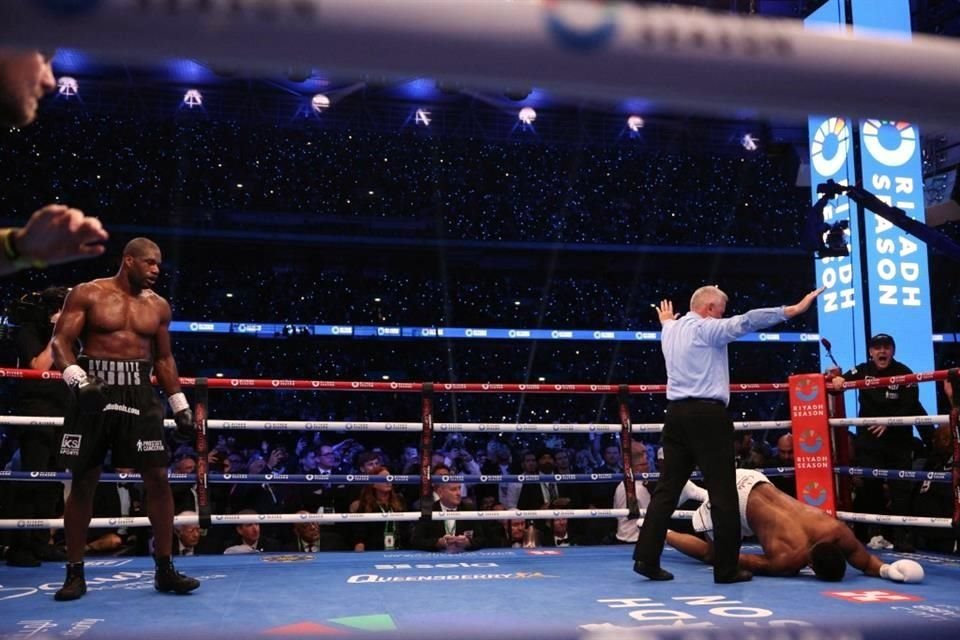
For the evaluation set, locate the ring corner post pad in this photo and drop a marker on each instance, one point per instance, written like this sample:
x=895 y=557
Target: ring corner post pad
x=810 y=427
x=201 y=403
x=426 y=451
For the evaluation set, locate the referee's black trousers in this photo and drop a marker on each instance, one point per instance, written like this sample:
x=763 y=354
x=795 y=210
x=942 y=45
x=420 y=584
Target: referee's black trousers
x=695 y=433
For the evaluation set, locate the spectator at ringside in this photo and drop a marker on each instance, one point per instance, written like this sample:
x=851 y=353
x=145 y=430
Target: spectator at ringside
x=787 y=484
x=388 y=535
x=628 y=528
x=188 y=539
x=453 y=535
x=881 y=447
x=935 y=499
x=249 y=540
x=311 y=537
x=35 y=316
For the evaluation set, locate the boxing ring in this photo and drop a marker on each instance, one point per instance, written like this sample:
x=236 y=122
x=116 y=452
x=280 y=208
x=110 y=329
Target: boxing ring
x=603 y=50
x=494 y=593
x=557 y=592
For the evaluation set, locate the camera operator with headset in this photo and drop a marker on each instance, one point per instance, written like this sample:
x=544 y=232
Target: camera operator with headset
x=35 y=314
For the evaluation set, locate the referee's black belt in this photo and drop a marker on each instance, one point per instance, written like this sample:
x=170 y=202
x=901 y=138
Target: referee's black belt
x=699 y=401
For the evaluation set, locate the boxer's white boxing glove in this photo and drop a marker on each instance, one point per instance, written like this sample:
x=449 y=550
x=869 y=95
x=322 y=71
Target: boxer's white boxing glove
x=902 y=571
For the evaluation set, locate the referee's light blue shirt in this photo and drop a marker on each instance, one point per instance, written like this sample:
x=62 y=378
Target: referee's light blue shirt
x=695 y=350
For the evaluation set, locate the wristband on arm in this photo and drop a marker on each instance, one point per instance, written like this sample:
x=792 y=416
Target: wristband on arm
x=74 y=375
x=10 y=251
x=178 y=402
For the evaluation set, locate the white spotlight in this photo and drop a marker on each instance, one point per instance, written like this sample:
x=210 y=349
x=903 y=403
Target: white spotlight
x=192 y=98
x=319 y=103
x=67 y=86
x=527 y=115
x=635 y=123
x=422 y=117
x=749 y=142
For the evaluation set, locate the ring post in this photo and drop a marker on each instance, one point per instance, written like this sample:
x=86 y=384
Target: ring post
x=202 y=395
x=426 y=452
x=626 y=429
x=813 y=459
x=953 y=376
x=837 y=408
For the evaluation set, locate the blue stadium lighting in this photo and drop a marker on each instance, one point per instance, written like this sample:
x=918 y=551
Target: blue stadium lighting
x=634 y=105
x=419 y=89
x=538 y=98
x=71 y=61
x=188 y=71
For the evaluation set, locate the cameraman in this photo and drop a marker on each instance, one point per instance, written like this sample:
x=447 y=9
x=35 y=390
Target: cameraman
x=35 y=315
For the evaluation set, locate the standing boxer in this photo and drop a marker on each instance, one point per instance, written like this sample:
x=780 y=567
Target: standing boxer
x=124 y=328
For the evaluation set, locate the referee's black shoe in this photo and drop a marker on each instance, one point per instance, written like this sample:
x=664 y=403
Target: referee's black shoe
x=654 y=573
x=74 y=586
x=168 y=579
x=741 y=575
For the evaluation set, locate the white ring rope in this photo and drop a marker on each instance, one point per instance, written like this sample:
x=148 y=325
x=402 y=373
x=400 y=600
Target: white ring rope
x=327 y=518
x=894 y=421
x=917 y=521
x=440 y=427
x=584 y=49
x=410 y=516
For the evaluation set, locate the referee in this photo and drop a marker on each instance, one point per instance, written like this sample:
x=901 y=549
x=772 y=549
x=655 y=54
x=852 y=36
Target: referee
x=697 y=430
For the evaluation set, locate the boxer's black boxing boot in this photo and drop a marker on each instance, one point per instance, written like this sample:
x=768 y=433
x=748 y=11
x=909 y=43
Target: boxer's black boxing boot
x=74 y=586
x=167 y=578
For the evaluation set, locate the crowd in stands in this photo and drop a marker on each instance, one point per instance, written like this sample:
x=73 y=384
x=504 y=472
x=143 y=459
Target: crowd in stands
x=200 y=173
x=372 y=454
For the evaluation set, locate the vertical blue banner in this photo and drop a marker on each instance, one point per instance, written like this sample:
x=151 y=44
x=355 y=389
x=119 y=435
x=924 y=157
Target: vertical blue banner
x=898 y=275
x=840 y=312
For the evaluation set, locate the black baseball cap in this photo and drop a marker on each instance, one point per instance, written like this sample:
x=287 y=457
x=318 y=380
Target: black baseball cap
x=882 y=339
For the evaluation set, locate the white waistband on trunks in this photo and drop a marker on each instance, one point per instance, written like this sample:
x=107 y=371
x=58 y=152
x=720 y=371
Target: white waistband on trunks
x=747 y=479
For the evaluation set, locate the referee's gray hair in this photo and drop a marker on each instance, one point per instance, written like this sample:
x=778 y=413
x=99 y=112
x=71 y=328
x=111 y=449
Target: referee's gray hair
x=705 y=295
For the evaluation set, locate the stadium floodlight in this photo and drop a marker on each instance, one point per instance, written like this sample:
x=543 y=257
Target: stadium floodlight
x=319 y=103
x=193 y=98
x=527 y=116
x=422 y=117
x=635 y=123
x=749 y=142
x=67 y=86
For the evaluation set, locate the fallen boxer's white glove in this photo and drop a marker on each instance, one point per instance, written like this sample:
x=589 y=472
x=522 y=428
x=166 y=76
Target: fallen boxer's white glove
x=902 y=571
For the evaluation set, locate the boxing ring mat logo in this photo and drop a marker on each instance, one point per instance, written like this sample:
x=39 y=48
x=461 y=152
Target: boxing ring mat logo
x=811 y=431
